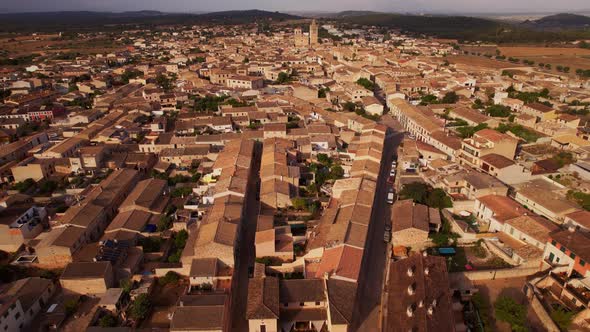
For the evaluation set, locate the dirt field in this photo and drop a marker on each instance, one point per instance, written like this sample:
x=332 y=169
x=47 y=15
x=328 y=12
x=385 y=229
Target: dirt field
x=43 y=44
x=480 y=61
x=543 y=51
x=575 y=58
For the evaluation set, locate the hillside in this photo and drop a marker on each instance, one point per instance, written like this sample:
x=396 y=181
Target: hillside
x=559 y=21
x=462 y=28
x=84 y=20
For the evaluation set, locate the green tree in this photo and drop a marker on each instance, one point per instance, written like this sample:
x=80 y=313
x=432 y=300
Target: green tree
x=498 y=111
x=48 y=186
x=283 y=78
x=24 y=185
x=437 y=198
x=365 y=83
x=164 y=223
x=324 y=159
x=107 y=321
x=140 y=308
x=180 y=239
x=349 y=106
x=417 y=191
x=170 y=277
x=71 y=306
x=512 y=312
x=164 y=82
x=299 y=203
x=450 y=98
x=562 y=318
x=336 y=172
x=428 y=99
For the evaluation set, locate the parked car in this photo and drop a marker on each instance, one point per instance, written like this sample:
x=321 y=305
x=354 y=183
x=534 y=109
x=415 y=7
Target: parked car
x=387 y=237
x=390 y=196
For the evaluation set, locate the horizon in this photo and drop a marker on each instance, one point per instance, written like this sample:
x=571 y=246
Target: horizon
x=581 y=12
x=442 y=7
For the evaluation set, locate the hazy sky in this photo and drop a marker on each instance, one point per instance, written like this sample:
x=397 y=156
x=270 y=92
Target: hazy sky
x=491 y=6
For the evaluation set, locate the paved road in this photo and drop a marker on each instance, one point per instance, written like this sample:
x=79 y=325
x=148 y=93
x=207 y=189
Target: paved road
x=367 y=315
x=246 y=254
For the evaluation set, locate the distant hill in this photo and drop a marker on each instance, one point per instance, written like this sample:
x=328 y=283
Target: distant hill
x=559 y=21
x=353 y=13
x=443 y=26
x=85 y=20
x=463 y=28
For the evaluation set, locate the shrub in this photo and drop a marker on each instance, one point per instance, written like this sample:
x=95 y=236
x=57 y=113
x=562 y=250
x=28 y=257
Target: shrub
x=170 y=278
x=512 y=312
x=107 y=321
x=140 y=308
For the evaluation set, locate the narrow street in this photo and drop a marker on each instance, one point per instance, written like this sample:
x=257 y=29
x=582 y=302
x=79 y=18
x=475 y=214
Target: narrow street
x=246 y=251
x=367 y=316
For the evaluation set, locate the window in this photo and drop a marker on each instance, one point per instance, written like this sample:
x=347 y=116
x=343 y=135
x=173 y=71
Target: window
x=317 y=303
x=286 y=304
x=262 y=328
x=302 y=304
x=573 y=256
x=17 y=315
x=582 y=262
x=562 y=249
x=554 y=243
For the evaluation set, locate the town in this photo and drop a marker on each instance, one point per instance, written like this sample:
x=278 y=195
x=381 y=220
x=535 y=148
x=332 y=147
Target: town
x=296 y=175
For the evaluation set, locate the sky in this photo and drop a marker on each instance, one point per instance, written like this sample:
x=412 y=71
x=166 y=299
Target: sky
x=430 y=6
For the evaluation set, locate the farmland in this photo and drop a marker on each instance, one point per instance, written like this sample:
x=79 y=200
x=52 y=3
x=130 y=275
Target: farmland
x=481 y=62
x=576 y=58
x=44 y=44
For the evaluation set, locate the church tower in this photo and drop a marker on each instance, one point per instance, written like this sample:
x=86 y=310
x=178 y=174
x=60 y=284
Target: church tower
x=313 y=33
x=300 y=38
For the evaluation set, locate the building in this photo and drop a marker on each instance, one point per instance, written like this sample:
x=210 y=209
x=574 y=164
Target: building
x=19 y=224
x=313 y=33
x=22 y=301
x=419 y=296
x=202 y=312
x=541 y=112
x=90 y=278
x=485 y=142
x=413 y=222
x=311 y=39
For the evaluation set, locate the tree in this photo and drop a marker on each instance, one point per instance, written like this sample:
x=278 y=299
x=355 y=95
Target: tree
x=107 y=321
x=282 y=78
x=71 y=306
x=299 y=203
x=498 y=111
x=48 y=186
x=428 y=99
x=24 y=185
x=180 y=239
x=416 y=191
x=562 y=318
x=349 y=106
x=170 y=277
x=437 y=198
x=336 y=172
x=314 y=207
x=450 y=98
x=365 y=83
x=164 y=82
x=512 y=312
x=164 y=223
x=324 y=159
x=140 y=308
